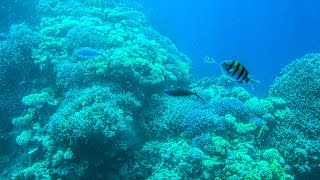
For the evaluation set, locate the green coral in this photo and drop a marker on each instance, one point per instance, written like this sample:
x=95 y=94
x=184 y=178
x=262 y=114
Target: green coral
x=242 y=166
x=282 y=114
x=276 y=163
x=271 y=155
x=24 y=120
x=57 y=158
x=36 y=171
x=269 y=118
x=37 y=100
x=240 y=93
x=230 y=119
x=24 y=138
x=94 y=111
x=277 y=109
x=164 y=174
x=242 y=128
x=134 y=55
x=68 y=154
x=48 y=143
x=273 y=103
x=178 y=156
x=220 y=145
x=256 y=107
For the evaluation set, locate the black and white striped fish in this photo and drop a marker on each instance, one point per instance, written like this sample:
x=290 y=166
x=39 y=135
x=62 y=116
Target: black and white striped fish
x=237 y=72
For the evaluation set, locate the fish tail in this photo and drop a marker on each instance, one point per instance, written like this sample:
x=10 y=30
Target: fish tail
x=103 y=55
x=196 y=94
x=251 y=82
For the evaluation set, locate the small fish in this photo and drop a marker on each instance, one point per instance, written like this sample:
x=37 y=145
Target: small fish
x=208 y=59
x=180 y=92
x=237 y=72
x=86 y=52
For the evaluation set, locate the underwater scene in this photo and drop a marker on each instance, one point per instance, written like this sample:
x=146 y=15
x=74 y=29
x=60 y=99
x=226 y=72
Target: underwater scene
x=125 y=89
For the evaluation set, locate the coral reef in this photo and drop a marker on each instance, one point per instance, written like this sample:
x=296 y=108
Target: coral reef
x=130 y=48
x=82 y=98
x=221 y=138
x=77 y=106
x=228 y=160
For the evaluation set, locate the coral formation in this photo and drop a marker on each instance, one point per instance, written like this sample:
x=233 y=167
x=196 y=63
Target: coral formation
x=298 y=129
x=79 y=103
x=93 y=112
x=88 y=94
x=298 y=84
x=16 y=67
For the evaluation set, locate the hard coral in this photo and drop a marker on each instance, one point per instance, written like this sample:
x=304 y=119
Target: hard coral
x=298 y=84
x=298 y=129
x=95 y=111
x=200 y=121
x=16 y=68
x=216 y=117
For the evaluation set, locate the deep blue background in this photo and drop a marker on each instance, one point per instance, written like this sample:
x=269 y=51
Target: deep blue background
x=265 y=35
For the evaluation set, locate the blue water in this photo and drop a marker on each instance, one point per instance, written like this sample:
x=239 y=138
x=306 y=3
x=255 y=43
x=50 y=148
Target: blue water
x=263 y=35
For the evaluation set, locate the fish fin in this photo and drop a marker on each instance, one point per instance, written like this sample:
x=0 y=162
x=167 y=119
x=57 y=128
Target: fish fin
x=196 y=94
x=252 y=82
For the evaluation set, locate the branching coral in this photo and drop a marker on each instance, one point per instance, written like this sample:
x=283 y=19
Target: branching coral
x=177 y=156
x=211 y=117
x=201 y=121
x=91 y=112
x=70 y=75
x=94 y=121
x=166 y=113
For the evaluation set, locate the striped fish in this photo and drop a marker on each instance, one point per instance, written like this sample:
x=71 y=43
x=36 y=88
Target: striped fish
x=237 y=72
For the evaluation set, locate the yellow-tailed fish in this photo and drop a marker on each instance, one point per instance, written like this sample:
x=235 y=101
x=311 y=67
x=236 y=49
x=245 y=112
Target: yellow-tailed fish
x=237 y=72
x=208 y=59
